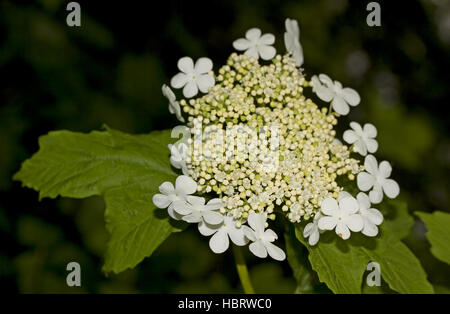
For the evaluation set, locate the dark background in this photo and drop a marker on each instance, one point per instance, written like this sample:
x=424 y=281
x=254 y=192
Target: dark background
x=110 y=70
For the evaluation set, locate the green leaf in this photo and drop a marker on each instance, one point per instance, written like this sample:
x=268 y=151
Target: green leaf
x=438 y=225
x=297 y=259
x=125 y=169
x=341 y=264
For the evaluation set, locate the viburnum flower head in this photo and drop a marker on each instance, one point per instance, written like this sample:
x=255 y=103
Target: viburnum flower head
x=257 y=148
x=193 y=77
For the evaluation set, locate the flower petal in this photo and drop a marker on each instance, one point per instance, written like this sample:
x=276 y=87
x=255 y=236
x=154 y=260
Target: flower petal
x=327 y=223
x=309 y=229
x=329 y=206
x=253 y=34
x=372 y=145
x=340 y=106
x=190 y=89
x=371 y=164
x=193 y=217
x=182 y=208
x=323 y=92
x=257 y=222
x=258 y=249
x=350 y=136
x=252 y=52
x=173 y=214
x=215 y=203
x=205 y=82
x=179 y=80
x=186 y=65
x=167 y=188
x=249 y=233
x=292 y=26
x=365 y=181
x=370 y=130
x=376 y=195
x=185 y=185
x=314 y=237
x=363 y=200
x=269 y=236
x=237 y=235
x=196 y=201
x=241 y=44
x=203 y=65
x=351 y=96
x=326 y=80
x=168 y=93
x=161 y=200
x=212 y=217
x=360 y=147
x=342 y=230
x=267 y=39
x=354 y=222
x=357 y=127
x=369 y=229
x=206 y=229
x=374 y=215
x=349 y=205
x=267 y=52
x=343 y=194
x=219 y=242
x=385 y=169
x=391 y=188
x=275 y=252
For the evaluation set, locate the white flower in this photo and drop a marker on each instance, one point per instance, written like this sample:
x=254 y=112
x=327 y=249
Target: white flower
x=219 y=242
x=178 y=156
x=362 y=138
x=200 y=211
x=175 y=196
x=292 y=41
x=340 y=98
x=193 y=77
x=371 y=217
x=256 y=45
x=312 y=230
x=262 y=239
x=378 y=178
x=342 y=216
x=174 y=106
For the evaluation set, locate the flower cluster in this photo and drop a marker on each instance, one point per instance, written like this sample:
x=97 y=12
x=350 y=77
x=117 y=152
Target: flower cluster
x=259 y=148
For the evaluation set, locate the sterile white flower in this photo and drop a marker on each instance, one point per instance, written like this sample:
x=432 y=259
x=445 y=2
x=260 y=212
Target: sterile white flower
x=178 y=156
x=256 y=45
x=377 y=178
x=170 y=196
x=371 y=217
x=221 y=234
x=201 y=211
x=262 y=239
x=341 y=216
x=292 y=41
x=340 y=97
x=174 y=106
x=362 y=138
x=312 y=230
x=193 y=78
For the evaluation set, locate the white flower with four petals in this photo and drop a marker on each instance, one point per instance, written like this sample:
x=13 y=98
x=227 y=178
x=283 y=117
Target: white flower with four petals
x=171 y=195
x=198 y=211
x=256 y=45
x=362 y=137
x=174 y=106
x=262 y=239
x=178 y=154
x=312 y=230
x=371 y=217
x=377 y=178
x=341 y=216
x=341 y=98
x=292 y=41
x=193 y=77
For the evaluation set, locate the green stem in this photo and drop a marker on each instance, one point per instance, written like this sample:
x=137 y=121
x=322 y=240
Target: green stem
x=242 y=270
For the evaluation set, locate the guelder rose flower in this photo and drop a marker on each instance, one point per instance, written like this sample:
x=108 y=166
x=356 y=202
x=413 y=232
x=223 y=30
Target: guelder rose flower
x=200 y=211
x=362 y=138
x=178 y=195
x=341 y=216
x=178 y=156
x=371 y=217
x=219 y=242
x=377 y=179
x=174 y=106
x=193 y=78
x=312 y=230
x=340 y=97
x=262 y=239
x=256 y=45
x=292 y=41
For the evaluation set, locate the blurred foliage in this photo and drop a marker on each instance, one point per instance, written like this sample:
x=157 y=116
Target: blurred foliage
x=110 y=70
